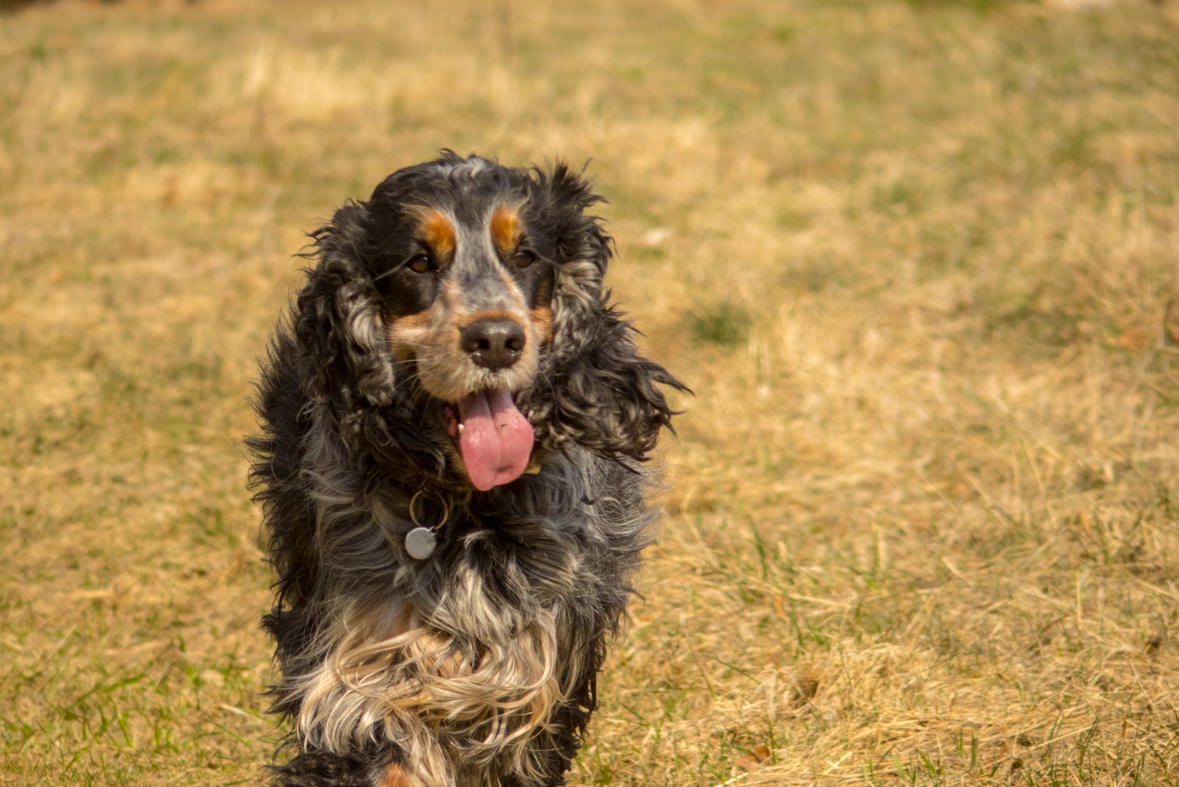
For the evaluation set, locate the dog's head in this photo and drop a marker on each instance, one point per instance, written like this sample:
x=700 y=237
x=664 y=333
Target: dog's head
x=460 y=313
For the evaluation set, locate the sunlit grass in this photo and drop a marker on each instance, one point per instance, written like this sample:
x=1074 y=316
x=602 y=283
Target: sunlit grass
x=913 y=258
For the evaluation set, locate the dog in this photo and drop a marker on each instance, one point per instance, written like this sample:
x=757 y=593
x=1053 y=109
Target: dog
x=452 y=469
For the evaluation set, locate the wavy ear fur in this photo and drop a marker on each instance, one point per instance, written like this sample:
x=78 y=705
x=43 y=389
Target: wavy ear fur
x=345 y=362
x=601 y=393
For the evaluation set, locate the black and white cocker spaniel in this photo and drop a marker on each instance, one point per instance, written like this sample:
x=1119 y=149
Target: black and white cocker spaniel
x=455 y=422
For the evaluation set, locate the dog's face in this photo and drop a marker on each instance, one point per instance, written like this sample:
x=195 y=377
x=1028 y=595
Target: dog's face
x=466 y=282
x=479 y=287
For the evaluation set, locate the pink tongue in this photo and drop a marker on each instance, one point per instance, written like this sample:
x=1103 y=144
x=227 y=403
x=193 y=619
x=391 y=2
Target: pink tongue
x=496 y=440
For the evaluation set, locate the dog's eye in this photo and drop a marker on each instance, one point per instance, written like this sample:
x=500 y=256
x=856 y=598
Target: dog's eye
x=523 y=259
x=421 y=263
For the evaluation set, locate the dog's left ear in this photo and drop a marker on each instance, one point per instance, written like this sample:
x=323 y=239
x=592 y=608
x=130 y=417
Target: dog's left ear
x=601 y=393
x=346 y=366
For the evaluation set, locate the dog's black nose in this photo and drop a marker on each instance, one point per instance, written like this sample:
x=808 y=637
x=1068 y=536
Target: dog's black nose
x=494 y=344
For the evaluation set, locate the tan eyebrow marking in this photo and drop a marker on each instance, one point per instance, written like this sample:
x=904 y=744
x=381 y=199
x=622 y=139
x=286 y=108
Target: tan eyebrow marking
x=542 y=320
x=506 y=228
x=438 y=233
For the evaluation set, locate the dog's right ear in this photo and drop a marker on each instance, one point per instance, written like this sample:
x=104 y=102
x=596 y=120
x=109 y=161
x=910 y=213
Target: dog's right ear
x=346 y=364
x=600 y=392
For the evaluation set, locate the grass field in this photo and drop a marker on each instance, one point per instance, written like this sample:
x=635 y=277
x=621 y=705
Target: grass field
x=918 y=261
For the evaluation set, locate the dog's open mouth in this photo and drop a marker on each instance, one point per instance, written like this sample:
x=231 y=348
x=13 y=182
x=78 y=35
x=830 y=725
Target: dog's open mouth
x=493 y=436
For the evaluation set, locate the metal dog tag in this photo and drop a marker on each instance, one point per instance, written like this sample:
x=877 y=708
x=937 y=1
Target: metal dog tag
x=420 y=543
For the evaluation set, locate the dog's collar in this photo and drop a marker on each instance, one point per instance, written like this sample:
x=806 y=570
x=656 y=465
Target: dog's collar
x=421 y=541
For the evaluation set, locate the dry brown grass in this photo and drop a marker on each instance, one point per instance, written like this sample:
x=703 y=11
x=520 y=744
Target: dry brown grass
x=915 y=260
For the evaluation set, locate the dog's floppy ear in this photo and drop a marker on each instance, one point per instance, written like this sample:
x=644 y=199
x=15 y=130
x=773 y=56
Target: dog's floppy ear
x=346 y=366
x=600 y=392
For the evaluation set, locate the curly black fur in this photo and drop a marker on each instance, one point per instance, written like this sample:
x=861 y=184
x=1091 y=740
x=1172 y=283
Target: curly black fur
x=530 y=579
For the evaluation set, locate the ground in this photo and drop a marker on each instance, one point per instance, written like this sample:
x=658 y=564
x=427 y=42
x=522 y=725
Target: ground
x=917 y=260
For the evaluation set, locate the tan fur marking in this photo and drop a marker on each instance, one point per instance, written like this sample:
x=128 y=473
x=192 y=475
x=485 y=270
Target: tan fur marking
x=471 y=319
x=406 y=334
x=404 y=620
x=438 y=232
x=506 y=228
x=542 y=320
x=395 y=777
x=411 y=321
